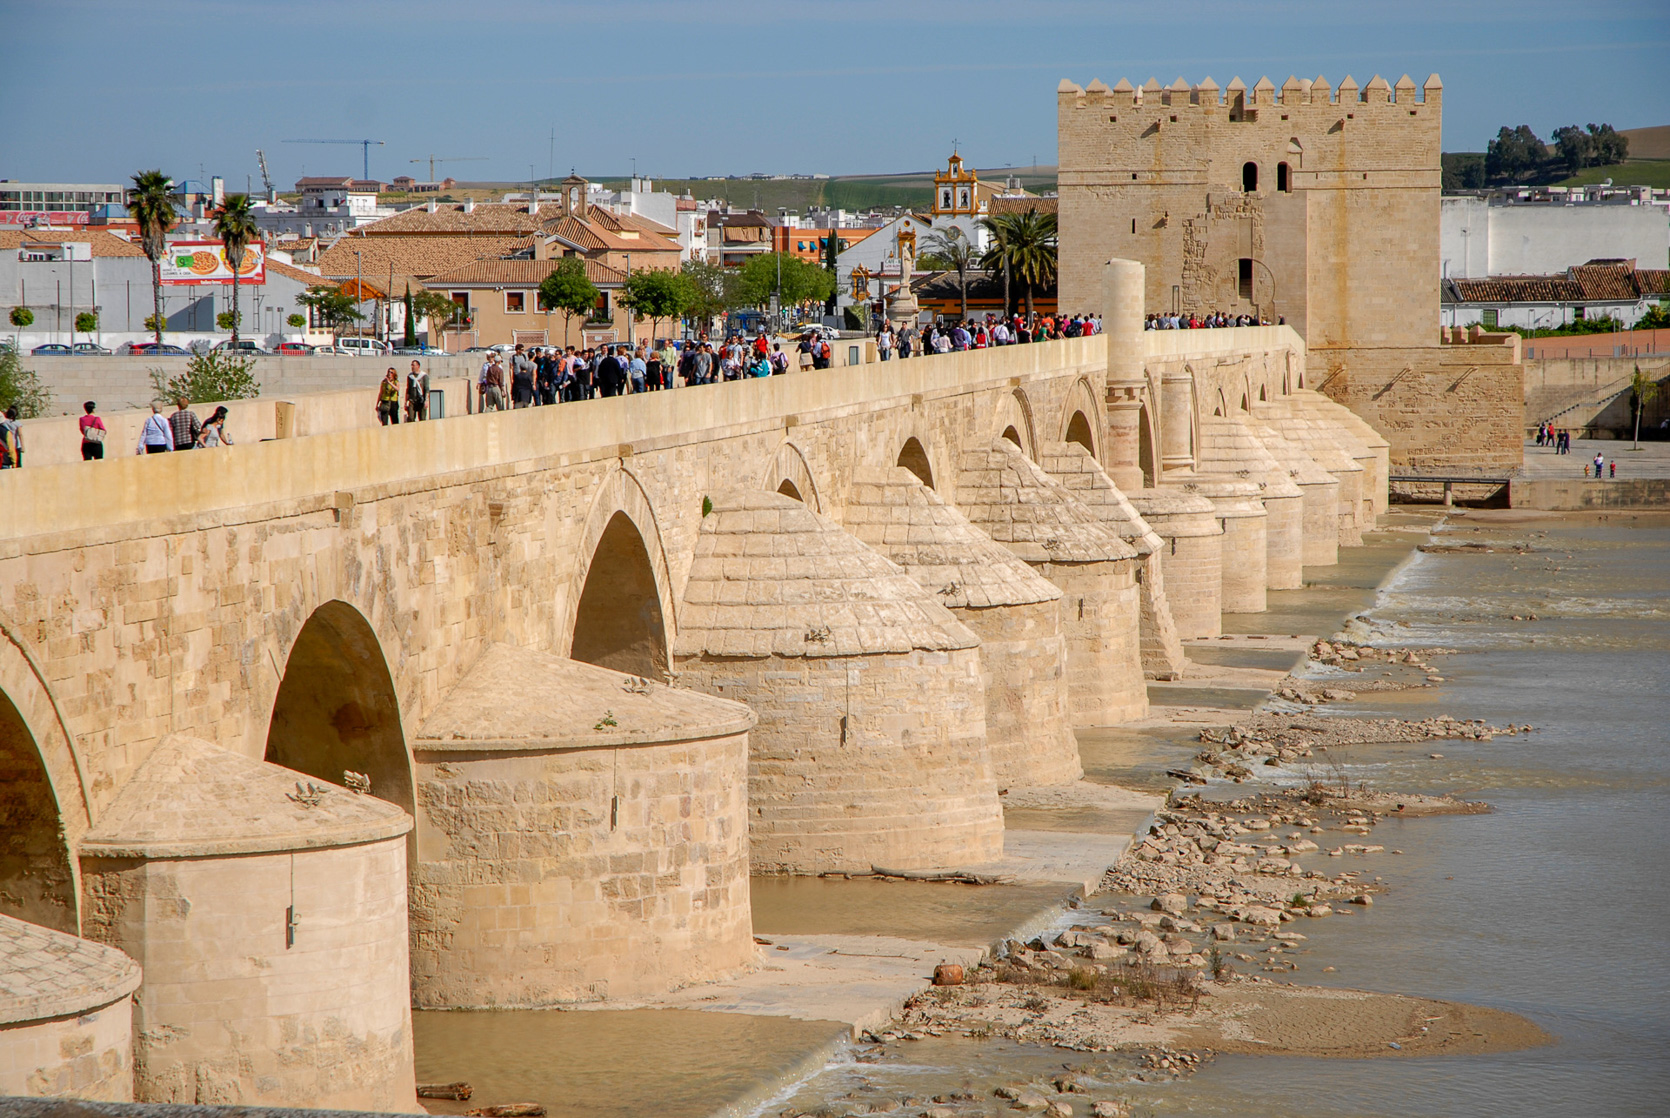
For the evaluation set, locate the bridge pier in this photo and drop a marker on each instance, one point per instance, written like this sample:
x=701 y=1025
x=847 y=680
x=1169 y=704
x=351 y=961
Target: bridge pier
x=1011 y=499
x=583 y=835
x=1015 y=612
x=871 y=743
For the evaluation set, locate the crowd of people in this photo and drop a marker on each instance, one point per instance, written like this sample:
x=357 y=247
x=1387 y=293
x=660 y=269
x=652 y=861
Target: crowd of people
x=1559 y=440
x=993 y=330
x=1217 y=320
x=533 y=376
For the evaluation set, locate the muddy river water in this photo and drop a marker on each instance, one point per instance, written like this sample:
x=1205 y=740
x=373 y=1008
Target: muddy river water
x=1555 y=906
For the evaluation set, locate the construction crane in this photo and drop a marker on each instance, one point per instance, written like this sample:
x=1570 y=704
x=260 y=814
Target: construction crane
x=434 y=159
x=266 y=179
x=365 y=144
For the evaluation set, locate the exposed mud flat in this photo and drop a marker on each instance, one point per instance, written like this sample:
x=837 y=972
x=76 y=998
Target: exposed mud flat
x=1242 y=1015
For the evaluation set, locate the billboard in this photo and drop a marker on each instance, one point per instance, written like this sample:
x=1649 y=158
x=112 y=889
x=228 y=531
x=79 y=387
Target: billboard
x=188 y=262
x=44 y=218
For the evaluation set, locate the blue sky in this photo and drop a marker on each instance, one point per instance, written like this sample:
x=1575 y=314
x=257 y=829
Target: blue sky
x=93 y=90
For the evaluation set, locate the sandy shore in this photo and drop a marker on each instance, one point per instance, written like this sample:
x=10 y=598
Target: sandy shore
x=1247 y=1015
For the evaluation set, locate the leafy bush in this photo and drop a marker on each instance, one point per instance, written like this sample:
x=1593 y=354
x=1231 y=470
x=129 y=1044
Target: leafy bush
x=209 y=378
x=86 y=322
x=20 y=388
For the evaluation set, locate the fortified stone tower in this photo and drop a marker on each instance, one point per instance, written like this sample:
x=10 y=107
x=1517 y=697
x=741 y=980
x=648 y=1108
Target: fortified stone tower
x=1308 y=204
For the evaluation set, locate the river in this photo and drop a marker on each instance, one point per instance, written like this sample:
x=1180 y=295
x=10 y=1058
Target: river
x=1554 y=906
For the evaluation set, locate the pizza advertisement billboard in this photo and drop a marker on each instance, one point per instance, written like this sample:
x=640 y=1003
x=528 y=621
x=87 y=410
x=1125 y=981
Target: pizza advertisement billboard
x=188 y=262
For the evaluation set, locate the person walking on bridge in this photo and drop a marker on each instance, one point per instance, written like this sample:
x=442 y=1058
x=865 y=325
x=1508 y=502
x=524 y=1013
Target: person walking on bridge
x=388 y=398
x=417 y=394
x=185 y=425
x=155 y=437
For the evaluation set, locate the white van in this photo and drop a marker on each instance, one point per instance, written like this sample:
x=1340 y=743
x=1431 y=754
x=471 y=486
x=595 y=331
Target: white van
x=362 y=347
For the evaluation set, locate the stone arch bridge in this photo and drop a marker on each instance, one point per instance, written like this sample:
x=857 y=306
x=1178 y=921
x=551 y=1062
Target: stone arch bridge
x=502 y=709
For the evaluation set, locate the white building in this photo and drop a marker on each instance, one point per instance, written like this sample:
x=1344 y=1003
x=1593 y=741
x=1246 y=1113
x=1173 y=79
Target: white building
x=1544 y=232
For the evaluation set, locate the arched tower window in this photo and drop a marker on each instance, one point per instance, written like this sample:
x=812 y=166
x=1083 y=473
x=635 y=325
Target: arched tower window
x=1284 y=180
x=1249 y=176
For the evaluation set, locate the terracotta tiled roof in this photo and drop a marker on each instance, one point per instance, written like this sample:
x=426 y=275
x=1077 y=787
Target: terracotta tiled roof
x=609 y=219
x=322 y=180
x=521 y=273
x=579 y=234
x=1653 y=281
x=1009 y=205
x=604 y=232
x=1518 y=289
x=104 y=244
x=300 y=275
x=1612 y=283
x=419 y=256
x=450 y=218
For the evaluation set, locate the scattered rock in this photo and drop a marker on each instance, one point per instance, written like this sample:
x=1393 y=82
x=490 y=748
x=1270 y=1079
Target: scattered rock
x=1107 y=1108
x=1174 y=903
x=948 y=974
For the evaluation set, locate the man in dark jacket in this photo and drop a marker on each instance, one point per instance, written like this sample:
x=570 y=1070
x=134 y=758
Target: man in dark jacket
x=610 y=375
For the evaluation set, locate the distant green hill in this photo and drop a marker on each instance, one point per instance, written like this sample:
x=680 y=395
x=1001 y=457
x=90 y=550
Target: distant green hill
x=1631 y=172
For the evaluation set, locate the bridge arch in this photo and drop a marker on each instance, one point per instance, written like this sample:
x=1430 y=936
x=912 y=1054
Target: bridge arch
x=336 y=710
x=791 y=475
x=1147 y=441
x=1014 y=422
x=914 y=457
x=621 y=614
x=1081 y=419
x=43 y=802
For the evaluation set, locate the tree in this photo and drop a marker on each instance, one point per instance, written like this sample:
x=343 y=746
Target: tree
x=1514 y=154
x=954 y=248
x=20 y=388
x=86 y=322
x=209 y=378
x=714 y=289
x=1643 y=390
x=334 y=306
x=1024 y=244
x=228 y=320
x=235 y=226
x=656 y=294
x=296 y=321
x=1656 y=318
x=568 y=290
x=151 y=207
x=410 y=337
x=801 y=282
x=1575 y=147
x=437 y=307
x=1610 y=147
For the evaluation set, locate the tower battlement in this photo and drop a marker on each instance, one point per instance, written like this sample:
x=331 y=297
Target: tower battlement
x=1236 y=96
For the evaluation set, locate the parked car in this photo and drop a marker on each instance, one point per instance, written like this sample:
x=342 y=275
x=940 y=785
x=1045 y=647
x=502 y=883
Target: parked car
x=152 y=349
x=51 y=349
x=242 y=346
x=293 y=349
x=419 y=351
x=91 y=349
x=479 y=349
x=370 y=347
x=334 y=351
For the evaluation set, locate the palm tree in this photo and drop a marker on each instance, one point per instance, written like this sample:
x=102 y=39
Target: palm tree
x=235 y=226
x=149 y=204
x=1024 y=244
x=954 y=247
